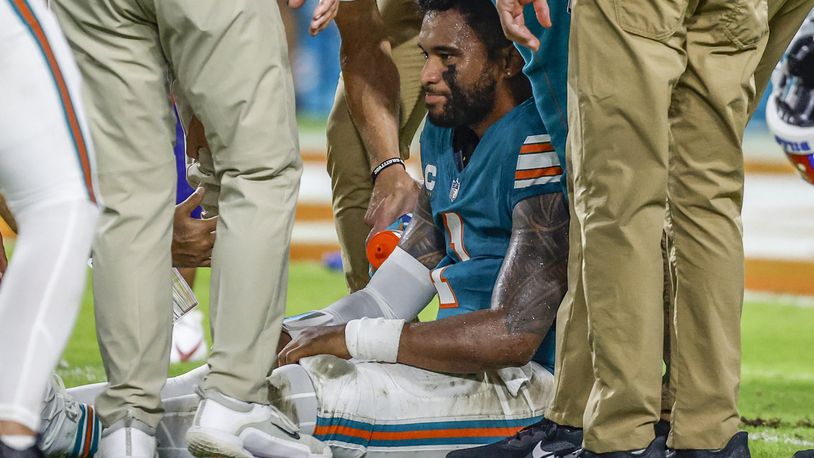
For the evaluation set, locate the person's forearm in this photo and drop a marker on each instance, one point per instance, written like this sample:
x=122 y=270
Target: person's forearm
x=371 y=78
x=465 y=344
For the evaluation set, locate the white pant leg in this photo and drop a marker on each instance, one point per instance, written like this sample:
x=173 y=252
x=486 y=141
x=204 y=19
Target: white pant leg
x=374 y=409
x=46 y=165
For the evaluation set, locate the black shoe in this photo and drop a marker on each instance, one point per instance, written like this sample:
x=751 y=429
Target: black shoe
x=522 y=443
x=30 y=452
x=738 y=447
x=804 y=454
x=554 y=450
x=662 y=428
x=656 y=449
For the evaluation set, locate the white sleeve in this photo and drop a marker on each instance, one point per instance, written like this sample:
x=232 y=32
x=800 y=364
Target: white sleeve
x=399 y=289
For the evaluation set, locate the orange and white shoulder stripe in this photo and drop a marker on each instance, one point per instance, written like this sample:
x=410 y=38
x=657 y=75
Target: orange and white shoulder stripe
x=537 y=163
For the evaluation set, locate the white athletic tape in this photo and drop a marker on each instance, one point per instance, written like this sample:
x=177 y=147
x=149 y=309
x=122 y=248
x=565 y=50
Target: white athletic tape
x=374 y=339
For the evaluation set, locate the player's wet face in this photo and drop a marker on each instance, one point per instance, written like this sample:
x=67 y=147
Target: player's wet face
x=458 y=78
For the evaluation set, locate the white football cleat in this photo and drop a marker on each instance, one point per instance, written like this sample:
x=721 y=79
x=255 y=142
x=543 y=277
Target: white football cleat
x=227 y=427
x=188 y=341
x=67 y=428
x=133 y=440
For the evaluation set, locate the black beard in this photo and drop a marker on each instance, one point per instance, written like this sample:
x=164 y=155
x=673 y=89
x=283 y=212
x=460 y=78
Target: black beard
x=466 y=107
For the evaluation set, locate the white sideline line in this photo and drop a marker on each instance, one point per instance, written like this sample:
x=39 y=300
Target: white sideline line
x=784 y=299
x=749 y=371
x=766 y=437
x=314 y=233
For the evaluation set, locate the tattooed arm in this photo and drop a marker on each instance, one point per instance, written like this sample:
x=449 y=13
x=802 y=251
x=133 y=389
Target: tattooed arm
x=323 y=331
x=529 y=288
x=528 y=291
x=423 y=239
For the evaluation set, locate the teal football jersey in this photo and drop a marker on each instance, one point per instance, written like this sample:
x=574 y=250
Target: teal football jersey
x=513 y=161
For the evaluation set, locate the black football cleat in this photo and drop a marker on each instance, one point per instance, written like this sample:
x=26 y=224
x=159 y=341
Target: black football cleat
x=521 y=444
x=10 y=452
x=662 y=428
x=738 y=447
x=554 y=450
x=656 y=449
x=804 y=454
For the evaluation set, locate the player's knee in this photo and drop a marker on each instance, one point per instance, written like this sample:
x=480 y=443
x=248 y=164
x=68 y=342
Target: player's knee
x=293 y=392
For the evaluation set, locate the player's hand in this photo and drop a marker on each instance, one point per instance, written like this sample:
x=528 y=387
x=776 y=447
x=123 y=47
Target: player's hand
x=196 y=138
x=514 y=24
x=192 y=238
x=394 y=194
x=284 y=339
x=324 y=13
x=319 y=340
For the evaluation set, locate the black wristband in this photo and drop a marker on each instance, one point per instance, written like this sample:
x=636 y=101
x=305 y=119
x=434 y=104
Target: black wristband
x=387 y=163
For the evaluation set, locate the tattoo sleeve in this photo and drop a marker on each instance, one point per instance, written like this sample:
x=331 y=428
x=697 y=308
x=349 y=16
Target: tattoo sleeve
x=532 y=280
x=423 y=239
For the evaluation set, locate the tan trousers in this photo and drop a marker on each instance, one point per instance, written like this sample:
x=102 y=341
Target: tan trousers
x=348 y=163
x=574 y=374
x=231 y=65
x=680 y=138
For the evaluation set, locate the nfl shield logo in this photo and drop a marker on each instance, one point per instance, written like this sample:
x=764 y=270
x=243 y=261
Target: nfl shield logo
x=453 y=190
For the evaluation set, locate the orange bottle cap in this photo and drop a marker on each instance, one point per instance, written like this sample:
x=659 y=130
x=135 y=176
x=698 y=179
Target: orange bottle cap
x=380 y=245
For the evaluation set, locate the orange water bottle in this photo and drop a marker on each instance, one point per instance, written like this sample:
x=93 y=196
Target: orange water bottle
x=381 y=244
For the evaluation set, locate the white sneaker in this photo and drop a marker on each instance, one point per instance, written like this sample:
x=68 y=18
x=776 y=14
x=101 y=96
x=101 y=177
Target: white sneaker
x=127 y=441
x=188 y=341
x=67 y=428
x=226 y=427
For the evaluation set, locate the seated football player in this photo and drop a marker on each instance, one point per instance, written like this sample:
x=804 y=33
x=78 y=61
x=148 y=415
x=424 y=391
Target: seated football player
x=488 y=236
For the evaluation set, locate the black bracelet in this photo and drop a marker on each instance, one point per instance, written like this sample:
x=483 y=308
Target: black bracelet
x=387 y=163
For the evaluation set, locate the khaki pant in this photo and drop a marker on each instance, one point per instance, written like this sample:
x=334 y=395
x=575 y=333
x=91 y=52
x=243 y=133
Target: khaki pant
x=574 y=372
x=231 y=65
x=690 y=79
x=348 y=163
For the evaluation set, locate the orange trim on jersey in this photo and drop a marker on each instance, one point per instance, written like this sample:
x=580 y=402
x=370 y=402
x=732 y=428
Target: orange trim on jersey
x=330 y=430
x=536 y=148
x=88 y=431
x=33 y=24
x=537 y=173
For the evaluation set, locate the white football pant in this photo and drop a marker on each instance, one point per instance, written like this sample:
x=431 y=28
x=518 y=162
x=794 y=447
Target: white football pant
x=373 y=409
x=46 y=164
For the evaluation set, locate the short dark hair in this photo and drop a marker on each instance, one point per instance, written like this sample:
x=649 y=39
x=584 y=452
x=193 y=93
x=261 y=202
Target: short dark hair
x=480 y=15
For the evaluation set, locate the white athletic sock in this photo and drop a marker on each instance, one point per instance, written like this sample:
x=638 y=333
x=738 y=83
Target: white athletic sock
x=18 y=441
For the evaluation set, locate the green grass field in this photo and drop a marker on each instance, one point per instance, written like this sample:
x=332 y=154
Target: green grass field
x=777 y=390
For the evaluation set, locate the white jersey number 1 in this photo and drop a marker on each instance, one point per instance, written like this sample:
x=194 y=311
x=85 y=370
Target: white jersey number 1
x=454 y=226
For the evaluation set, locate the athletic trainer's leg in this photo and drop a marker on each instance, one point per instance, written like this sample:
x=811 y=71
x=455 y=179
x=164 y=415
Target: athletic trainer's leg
x=116 y=44
x=231 y=64
x=708 y=116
